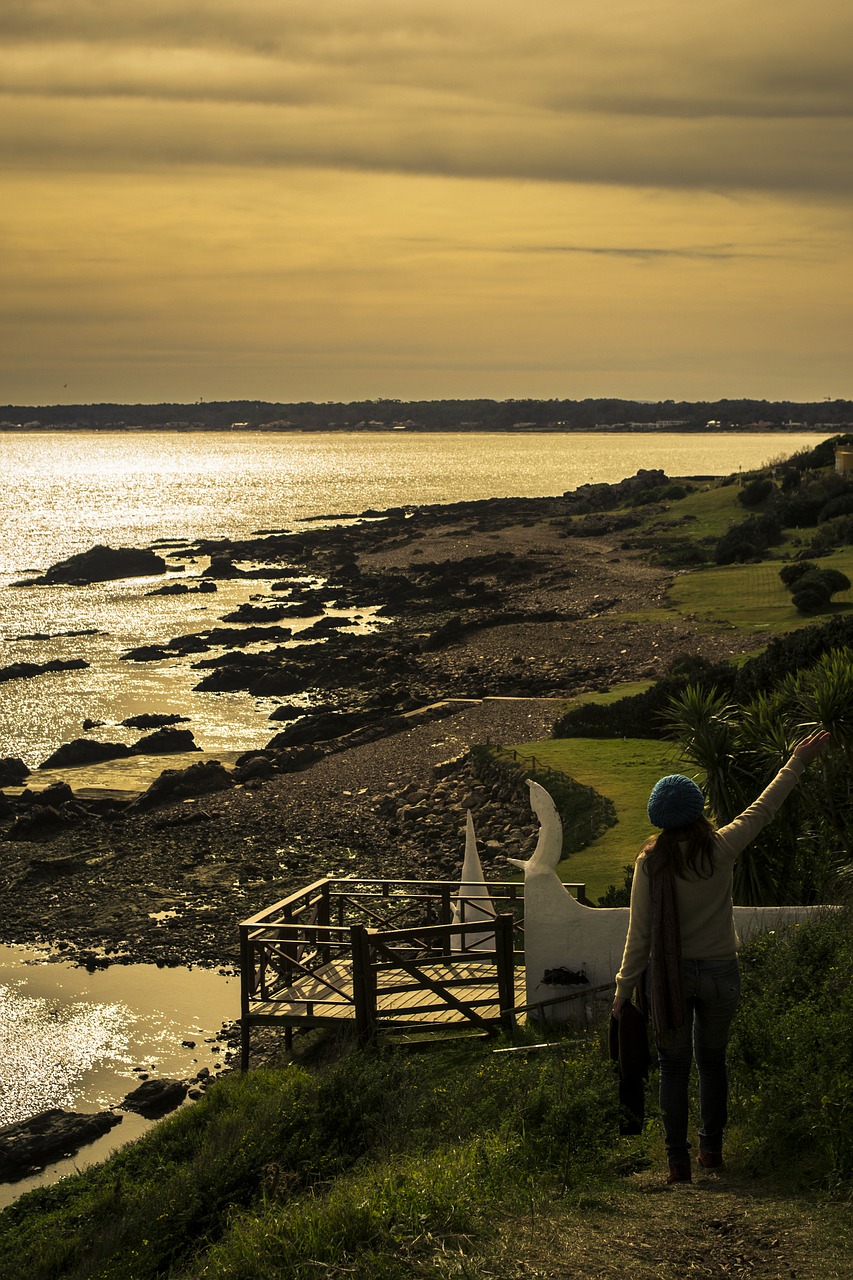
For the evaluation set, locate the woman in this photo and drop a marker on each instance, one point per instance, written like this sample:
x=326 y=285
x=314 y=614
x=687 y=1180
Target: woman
x=682 y=921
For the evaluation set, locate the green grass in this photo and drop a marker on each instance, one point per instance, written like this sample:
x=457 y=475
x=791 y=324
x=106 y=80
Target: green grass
x=711 y=511
x=751 y=597
x=625 y=770
x=392 y=1166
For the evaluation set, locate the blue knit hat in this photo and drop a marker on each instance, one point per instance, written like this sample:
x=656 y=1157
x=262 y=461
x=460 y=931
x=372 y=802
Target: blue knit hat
x=675 y=801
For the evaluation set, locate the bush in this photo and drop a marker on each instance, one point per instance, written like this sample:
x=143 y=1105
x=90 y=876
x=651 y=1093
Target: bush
x=748 y=540
x=618 y=895
x=835 y=533
x=792 y=1090
x=754 y=493
x=840 y=506
x=792 y=573
x=835 y=580
x=813 y=587
x=812 y=598
x=641 y=716
x=801 y=512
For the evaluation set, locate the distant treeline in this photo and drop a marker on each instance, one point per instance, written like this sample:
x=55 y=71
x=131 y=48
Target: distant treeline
x=441 y=415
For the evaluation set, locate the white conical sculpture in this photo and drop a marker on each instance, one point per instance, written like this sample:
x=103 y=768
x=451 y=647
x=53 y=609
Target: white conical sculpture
x=561 y=933
x=474 y=901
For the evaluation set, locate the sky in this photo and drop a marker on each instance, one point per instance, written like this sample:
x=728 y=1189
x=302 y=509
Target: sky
x=300 y=200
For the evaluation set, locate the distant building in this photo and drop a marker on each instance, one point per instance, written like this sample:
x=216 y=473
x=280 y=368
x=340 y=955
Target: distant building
x=844 y=459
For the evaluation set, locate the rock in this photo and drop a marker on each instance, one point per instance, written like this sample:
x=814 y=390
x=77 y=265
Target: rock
x=102 y=564
x=166 y=741
x=258 y=613
x=147 y=653
x=317 y=728
x=198 y=779
x=28 y=1145
x=256 y=766
x=44 y=822
x=53 y=868
x=85 y=751
x=222 y=566
x=12 y=771
x=153 y=720
x=57 y=794
x=91 y=724
x=154 y=1098
x=290 y=711
x=26 y=670
x=6 y=809
x=171 y=589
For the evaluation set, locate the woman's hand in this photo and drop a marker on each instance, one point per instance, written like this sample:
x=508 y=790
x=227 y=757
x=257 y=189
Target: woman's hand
x=812 y=746
x=618 y=1005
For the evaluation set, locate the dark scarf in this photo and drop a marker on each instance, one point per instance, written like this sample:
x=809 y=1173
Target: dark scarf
x=668 y=1008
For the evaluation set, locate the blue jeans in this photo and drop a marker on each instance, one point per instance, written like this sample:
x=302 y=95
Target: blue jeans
x=711 y=994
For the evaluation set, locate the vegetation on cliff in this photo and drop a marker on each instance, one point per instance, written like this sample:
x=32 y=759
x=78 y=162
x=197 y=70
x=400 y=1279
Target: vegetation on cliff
x=390 y=1164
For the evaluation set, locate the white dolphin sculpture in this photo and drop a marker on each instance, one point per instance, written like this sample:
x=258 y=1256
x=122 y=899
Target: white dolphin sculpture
x=559 y=932
x=474 y=902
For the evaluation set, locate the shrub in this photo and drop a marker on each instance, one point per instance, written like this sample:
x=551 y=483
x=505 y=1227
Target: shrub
x=792 y=1091
x=835 y=580
x=748 y=540
x=840 y=506
x=813 y=587
x=618 y=895
x=800 y=512
x=791 y=573
x=812 y=598
x=754 y=493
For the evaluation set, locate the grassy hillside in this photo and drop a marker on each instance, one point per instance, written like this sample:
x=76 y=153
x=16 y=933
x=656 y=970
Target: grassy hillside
x=464 y=1162
x=624 y=770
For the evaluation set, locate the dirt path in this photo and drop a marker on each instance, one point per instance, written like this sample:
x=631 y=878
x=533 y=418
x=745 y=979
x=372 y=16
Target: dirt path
x=717 y=1228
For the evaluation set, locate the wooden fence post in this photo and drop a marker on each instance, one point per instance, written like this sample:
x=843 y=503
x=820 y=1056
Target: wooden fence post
x=363 y=984
x=245 y=980
x=505 y=971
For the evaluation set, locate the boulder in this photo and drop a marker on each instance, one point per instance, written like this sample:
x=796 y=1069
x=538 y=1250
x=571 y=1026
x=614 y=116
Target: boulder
x=102 y=564
x=57 y=794
x=154 y=1098
x=258 y=613
x=174 y=784
x=26 y=670
x=84 y=751
x=44 y=822
x=13 y=771
x=147 y=653
x=153 y=720
x=28 y=1145
x=165 y=741
x=6 y=809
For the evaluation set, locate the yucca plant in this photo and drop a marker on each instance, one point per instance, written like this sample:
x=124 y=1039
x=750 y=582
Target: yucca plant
x=739 y=748
x=704 y=723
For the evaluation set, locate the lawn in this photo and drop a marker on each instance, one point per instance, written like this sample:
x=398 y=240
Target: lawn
x=625 y=769
x=751 y=597
x=709 y=511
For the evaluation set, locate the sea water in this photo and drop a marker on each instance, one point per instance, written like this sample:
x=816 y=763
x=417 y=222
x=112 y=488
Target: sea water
x=64 y=492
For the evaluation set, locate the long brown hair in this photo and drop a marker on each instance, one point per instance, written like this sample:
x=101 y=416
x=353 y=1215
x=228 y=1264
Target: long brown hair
x=667 y=854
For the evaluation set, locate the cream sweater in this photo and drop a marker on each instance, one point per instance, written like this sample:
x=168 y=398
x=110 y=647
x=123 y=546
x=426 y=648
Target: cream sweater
x=704 y=906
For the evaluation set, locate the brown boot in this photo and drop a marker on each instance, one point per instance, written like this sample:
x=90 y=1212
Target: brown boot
x=710 y=1159
x=679 y=1173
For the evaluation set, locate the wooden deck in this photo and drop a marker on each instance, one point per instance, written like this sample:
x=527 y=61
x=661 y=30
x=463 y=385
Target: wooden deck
x=401 y=1000
x=395 y=955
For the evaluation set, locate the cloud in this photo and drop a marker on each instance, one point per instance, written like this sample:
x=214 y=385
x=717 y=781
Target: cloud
x=724 y=97
x=709 y=253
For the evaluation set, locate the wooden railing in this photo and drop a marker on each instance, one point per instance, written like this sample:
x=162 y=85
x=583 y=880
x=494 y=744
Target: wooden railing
x=326 y=954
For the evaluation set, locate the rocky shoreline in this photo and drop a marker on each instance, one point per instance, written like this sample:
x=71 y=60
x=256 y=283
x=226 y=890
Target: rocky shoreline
x=488 y=616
